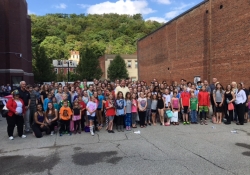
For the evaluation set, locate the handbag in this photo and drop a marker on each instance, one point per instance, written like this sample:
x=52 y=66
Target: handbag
x=230 y=106
x=86 y=129
x=4 y=112
x=169 y=113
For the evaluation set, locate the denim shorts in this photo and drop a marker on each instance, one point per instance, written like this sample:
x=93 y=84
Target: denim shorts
x=91 y=117
x=111 y=118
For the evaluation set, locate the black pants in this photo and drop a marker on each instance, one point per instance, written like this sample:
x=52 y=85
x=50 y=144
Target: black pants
x=240 y=112
x=38 y=130
x=203 y=114
x=77 y=125
x=142 y=115
x=32 y=112
x=212 y=103
x=120 y=120
x=64 y=126
x=15 y=120
x=83 y=122
x=52 y=125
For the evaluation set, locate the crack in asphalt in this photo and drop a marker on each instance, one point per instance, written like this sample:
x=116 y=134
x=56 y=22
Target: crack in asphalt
x=218 y=166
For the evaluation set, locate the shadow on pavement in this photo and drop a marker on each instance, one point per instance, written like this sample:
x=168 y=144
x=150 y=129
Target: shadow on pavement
x=247 y=153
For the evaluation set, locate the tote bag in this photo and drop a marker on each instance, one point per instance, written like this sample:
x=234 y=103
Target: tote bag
x=230 y=106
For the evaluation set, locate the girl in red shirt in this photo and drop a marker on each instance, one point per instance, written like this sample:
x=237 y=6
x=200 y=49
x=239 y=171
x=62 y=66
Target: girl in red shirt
x=110 y=112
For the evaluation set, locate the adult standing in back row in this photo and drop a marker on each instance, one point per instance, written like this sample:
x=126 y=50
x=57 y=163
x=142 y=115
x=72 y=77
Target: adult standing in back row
x=122 y=88
x=240 y=104
x=212 y=88
x=25 y=96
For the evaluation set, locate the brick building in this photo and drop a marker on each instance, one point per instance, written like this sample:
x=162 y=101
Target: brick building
x=15 y=43
x=210 y=40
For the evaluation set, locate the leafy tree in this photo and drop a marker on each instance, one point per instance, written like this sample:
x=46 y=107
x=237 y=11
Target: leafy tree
x=43 y=69
x=117 y=69
x=117 y=34
x=53 y=47
x=89 y=66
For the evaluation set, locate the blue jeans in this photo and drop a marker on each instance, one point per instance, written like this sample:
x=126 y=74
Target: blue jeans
x=128 y=119
x=193 y=116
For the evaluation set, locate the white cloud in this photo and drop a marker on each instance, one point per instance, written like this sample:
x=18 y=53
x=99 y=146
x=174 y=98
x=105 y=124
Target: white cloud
x=172 y=14
x=83 y=6
x=158 y=19
x=61 y=6
x=164 y=2
x=129 y=7
x=30 y=12
x=177 y=10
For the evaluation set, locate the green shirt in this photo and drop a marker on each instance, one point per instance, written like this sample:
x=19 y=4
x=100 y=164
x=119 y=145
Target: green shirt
x=193 y=103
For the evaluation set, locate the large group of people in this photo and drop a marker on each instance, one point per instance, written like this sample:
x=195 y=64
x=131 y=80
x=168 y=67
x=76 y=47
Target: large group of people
x=75 y=107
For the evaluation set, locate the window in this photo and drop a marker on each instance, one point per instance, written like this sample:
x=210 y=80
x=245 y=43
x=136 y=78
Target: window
x=59 y=62
x=74 y=70
x=136 y=64
x=56 y=71
x=129 y=64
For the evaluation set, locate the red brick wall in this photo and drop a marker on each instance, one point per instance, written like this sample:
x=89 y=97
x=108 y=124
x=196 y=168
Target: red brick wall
x=15 y=36
x=183 y=45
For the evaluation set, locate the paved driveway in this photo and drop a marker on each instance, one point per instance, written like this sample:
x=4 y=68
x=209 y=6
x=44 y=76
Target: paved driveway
x=193 y=149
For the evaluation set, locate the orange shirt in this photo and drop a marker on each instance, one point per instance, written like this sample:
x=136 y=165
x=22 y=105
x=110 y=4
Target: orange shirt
x=65 y=113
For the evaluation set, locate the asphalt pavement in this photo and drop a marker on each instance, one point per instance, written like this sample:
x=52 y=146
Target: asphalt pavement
x=167 y=150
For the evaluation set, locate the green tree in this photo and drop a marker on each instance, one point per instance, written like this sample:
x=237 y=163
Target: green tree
x=43 y=69
x=53 y=47
x=117 y=69
x=89 y=66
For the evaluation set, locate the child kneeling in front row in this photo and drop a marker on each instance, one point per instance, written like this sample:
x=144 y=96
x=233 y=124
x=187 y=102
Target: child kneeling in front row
x=91 y=109
x=65 y=117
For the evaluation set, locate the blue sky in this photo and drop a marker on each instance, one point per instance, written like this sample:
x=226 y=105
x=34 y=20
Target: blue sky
x=159 y=10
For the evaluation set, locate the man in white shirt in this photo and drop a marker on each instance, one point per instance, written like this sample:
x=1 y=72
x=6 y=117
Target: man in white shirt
x=122 y=87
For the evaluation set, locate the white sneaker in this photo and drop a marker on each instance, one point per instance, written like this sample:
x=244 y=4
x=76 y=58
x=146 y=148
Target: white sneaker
x=23 y=136
x=52 y=133
x=11 y=138
x=92 y=133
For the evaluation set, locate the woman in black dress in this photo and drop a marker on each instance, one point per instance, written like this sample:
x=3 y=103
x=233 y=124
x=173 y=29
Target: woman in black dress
x=229 y=97
x=160 y=107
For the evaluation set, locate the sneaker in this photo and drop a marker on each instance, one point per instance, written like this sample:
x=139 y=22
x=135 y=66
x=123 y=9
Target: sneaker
x=188 y=123
x=11 y=138
x=61 y=134
x=92 y=133
x=52 y=133
x=23 y=136
x=79 y=132
x=111 y=131
x=149 y=124
x=66 y=132
x=70 y=133
x=184 y=123
x=129 y=128
x=126 y=128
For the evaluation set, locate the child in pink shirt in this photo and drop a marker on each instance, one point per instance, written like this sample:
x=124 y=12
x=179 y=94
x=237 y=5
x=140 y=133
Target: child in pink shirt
x=134 y=110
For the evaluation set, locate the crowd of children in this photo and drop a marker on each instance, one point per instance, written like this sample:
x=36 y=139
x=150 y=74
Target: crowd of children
x=80 y=107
